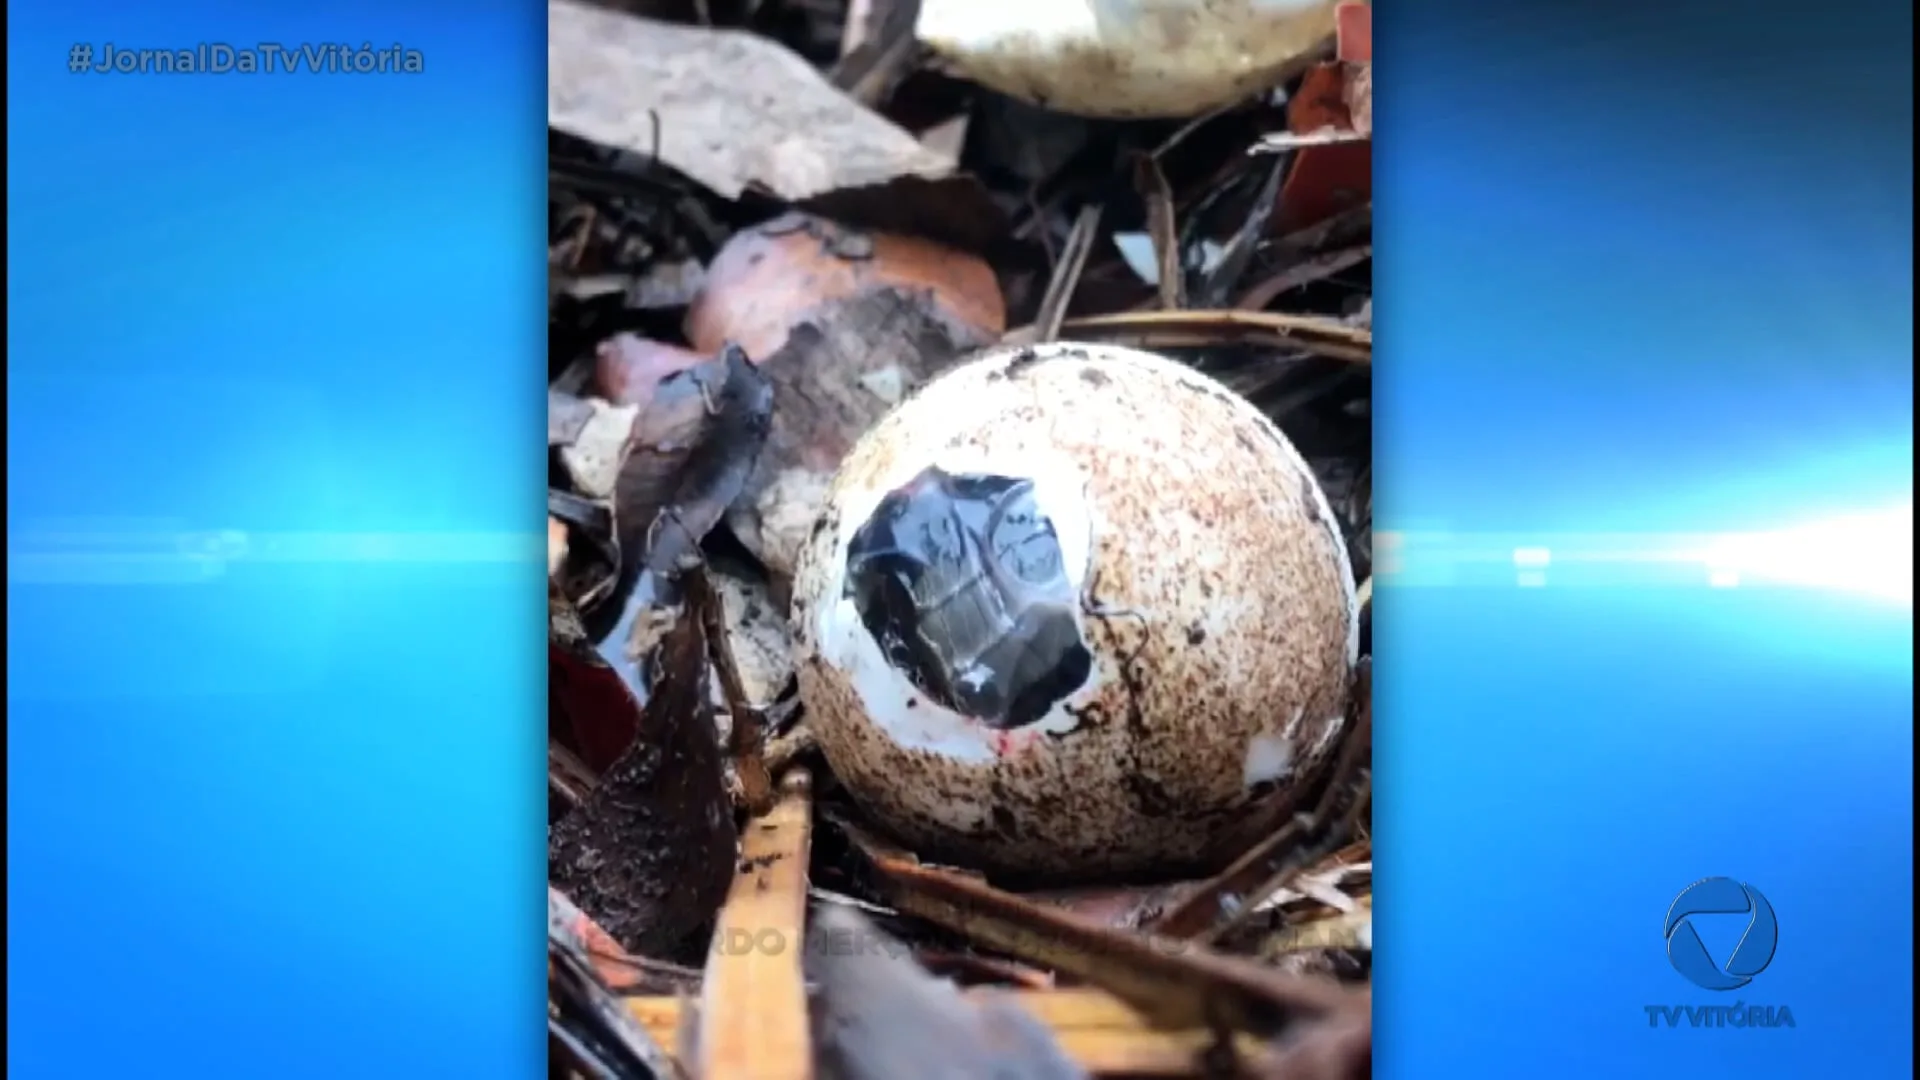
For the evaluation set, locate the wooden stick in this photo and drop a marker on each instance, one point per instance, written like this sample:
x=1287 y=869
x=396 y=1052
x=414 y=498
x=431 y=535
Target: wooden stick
x=1098 y=1032
x=753 y=1007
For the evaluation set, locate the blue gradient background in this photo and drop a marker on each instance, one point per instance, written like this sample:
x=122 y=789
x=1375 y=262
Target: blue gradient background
x=1639 y=271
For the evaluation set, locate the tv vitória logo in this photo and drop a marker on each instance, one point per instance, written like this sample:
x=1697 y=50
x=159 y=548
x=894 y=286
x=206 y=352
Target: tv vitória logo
x=1721 y=896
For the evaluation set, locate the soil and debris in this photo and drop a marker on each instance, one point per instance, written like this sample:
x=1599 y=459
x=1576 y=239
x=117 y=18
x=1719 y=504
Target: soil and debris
x=769 y=222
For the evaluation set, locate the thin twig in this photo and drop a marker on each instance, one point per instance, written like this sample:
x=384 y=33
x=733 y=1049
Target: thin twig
x=1066 y=275
x=1162 y=230
x=746 y=731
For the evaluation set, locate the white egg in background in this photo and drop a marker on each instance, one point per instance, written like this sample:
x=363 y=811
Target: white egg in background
x=1125 y=58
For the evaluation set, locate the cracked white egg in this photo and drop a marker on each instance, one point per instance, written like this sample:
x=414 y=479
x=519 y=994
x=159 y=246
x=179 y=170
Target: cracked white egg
x=1125 y=58
x=1070 y=610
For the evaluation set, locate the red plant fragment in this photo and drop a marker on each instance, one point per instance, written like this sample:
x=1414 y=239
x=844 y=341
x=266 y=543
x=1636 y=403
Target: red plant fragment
x=1327 y=180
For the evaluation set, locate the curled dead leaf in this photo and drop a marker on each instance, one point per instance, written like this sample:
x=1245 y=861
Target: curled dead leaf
x=692 y=452
x=649 y=855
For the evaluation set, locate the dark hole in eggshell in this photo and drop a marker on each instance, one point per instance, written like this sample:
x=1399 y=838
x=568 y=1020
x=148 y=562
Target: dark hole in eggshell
x=961 y=581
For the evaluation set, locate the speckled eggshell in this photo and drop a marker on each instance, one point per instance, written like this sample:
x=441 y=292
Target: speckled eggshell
x=1215 y=594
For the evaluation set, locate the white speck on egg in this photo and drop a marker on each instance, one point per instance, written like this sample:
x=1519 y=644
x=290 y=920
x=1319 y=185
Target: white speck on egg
x=1269 y=758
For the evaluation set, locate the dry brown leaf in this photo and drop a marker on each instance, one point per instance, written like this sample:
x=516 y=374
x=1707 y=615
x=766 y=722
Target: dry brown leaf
x=729 y=109
x=650 y=854
x=688 y=455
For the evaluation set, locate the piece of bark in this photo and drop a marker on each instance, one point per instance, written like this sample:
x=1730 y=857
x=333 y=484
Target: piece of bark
x=650 y=854
x=1120 y=907
x=731 y=110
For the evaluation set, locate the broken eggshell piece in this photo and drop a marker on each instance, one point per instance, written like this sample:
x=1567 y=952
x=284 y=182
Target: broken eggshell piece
x=1126 y=58
x=1069 y=610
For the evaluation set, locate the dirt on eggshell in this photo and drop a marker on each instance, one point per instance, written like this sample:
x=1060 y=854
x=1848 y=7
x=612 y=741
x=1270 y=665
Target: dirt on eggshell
x=1217 y=600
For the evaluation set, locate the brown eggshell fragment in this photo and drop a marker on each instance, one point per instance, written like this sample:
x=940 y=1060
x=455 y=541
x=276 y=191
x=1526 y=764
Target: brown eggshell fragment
x=1208 y=584
x=769 y=279
x=627 y=368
